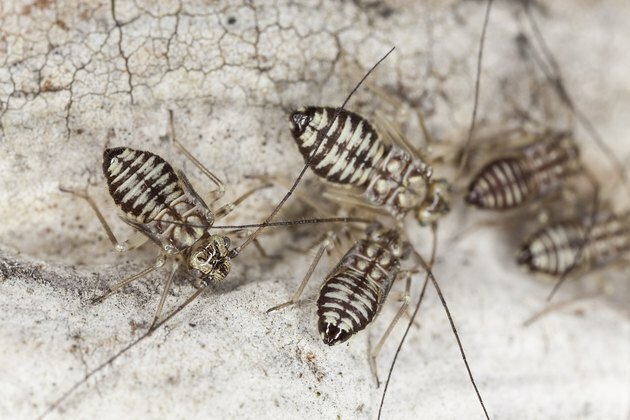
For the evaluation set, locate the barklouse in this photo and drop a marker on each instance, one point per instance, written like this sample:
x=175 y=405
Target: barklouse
x=162 y=206
x=530 y=173
x=189 y=300
x=354 y=291
x=555 y=249
x=345 y=149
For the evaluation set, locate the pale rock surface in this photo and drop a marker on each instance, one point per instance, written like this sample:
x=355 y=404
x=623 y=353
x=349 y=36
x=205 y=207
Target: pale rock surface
x=76 y=77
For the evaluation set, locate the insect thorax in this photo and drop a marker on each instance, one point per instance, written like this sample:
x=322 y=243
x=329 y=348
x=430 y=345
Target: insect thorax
x=551 y=161
x=401 y=184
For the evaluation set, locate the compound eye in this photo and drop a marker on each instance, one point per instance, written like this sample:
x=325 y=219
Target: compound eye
x=227 y=241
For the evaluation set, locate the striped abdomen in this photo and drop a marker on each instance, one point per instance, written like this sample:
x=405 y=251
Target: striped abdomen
x=151 y=194
x=343 y=150
x=354 y=292
x=347 y=150
x=533 y=172
x=553 y=249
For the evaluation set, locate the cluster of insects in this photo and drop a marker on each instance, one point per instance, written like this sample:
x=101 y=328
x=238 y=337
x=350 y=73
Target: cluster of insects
x=544 y=184
x=375 y=179
x=342 y=148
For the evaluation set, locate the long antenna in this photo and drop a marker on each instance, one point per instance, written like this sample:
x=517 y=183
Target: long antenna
x=473 y=118
x=411 y=321
x=459 y=344
x=430 y=276
x=297 y=222
x=556 y=80
x=235 y=253
x=308 y=162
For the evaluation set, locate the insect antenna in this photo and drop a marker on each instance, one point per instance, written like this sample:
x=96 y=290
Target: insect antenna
x=473 y=119
x=412 y=319
x=430 y=276
x=278 y=223
x=459 y=342
x=308 y=162
x=555 y=79
x=550 y=308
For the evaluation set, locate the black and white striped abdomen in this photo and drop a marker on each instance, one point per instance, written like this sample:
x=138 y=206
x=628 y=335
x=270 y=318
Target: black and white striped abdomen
x=354 y=292
x=342 y=150
x=141 y=183
x=151 y=195
x=500 y=185
x=533 y=172
x=553 y=249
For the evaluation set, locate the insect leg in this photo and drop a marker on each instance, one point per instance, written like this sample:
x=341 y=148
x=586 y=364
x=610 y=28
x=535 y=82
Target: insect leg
x=327 y=244
x=243 y=233
x=587 y=236
x=397 y=103
x=311 y=200
x=133 y=242
x=559 y=305
x=115 y=287
x=167 y=288
x=403 y=308
x=220 y=191
x=227 y=208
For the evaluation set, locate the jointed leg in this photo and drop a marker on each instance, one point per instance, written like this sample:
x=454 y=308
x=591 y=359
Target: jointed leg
x=307 y=199
x=133 y=242
x=263 y=252
x=326 y=245
x=220 y=191
x=115 y=287
x=167 y=288
x=227 y=208
x=558 y=305
x=398 y=104
x=403 y=308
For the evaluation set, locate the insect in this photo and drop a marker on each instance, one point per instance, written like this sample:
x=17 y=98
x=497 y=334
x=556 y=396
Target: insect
x=161 y=205
x=355 y=290
x=576 y=246
x=565 y=246
x=345 y=149
x=527 y=174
